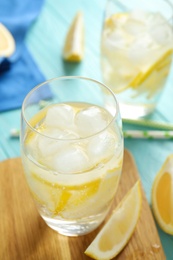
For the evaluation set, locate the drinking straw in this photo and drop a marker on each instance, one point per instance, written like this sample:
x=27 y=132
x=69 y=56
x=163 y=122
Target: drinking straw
x=153 y=134
x=149 y=123
x=14 y=133
x=130 y=134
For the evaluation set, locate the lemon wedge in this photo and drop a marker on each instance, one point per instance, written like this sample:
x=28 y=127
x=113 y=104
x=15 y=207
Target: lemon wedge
x=7 y=43
x=162 y=196
x=74 y=43
x=119 y=228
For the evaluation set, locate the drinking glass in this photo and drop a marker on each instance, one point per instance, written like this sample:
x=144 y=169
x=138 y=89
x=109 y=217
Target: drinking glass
x=136 y=53
x=72 y=152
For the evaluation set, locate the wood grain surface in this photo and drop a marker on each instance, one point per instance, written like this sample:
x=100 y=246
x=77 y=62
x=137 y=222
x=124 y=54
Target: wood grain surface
x=24 y=235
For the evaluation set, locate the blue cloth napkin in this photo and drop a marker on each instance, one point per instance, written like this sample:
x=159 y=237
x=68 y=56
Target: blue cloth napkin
x=19 y=73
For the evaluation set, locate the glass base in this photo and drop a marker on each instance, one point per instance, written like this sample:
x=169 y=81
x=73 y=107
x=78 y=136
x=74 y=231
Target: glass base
x=132 y=111
x=75 y=228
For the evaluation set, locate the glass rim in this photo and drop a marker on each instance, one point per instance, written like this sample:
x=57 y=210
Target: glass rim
x=167 y=2
x=114 y=117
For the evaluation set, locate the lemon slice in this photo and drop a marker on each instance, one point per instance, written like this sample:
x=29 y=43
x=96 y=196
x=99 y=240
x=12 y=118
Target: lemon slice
x=61 y=199
x=7 y=43
x=74 y=43
x=160 y=63
x=117 y=231
x=156 y=72
x=114 y=20
x=162 y=196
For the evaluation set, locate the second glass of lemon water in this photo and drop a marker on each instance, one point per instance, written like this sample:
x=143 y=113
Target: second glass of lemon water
x=72 y=152
x=136 y=52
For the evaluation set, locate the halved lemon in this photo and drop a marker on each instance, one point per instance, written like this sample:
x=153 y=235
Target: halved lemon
x=162 y=196
x=7 y=43
x=74 y=43
x=119 y=228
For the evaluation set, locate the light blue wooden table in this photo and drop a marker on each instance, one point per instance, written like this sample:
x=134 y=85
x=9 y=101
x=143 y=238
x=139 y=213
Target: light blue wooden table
x=45 y=41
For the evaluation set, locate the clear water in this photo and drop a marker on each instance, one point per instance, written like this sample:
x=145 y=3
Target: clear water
x=73 y=181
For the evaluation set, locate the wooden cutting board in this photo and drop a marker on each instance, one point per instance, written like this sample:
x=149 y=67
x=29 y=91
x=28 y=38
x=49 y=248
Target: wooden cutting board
x=24 y=235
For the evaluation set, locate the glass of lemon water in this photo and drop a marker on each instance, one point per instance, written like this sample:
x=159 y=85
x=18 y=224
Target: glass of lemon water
x=72 y=152
x=136 y=52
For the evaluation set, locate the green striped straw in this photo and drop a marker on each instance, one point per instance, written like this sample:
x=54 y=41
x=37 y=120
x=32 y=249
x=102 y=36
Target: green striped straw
x=131 y=134
x=14 y=133
x=149 y=123
x=154 y=134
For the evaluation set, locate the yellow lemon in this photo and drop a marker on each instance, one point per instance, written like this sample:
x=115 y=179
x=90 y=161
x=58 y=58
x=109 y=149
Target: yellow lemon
x=115 y=19
x=74 y=43
x=162 y=196
x=7 y=43
x=118 y=229
x=58 y=197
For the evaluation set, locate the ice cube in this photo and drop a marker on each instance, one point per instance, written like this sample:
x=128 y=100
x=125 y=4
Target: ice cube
x=160 y=30
x=72 y=159
x=60 y=116
x=141 y=48
x=91 y=120
x=51 y=141
x=162 y=34
x=155 y=19
x=140 y=15
x=48 y=147
x=143 y=42
x=134 y=27
x=102 y=146
x=117 y=39
x=57 y=133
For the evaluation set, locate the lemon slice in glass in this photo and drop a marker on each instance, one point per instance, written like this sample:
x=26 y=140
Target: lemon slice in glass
x=162 y=196
x=7 y=43
x=119 y=228
x=160 y=63
x=74 y=42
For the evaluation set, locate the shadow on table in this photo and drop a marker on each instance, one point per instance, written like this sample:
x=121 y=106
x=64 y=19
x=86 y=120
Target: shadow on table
x=71 y=68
